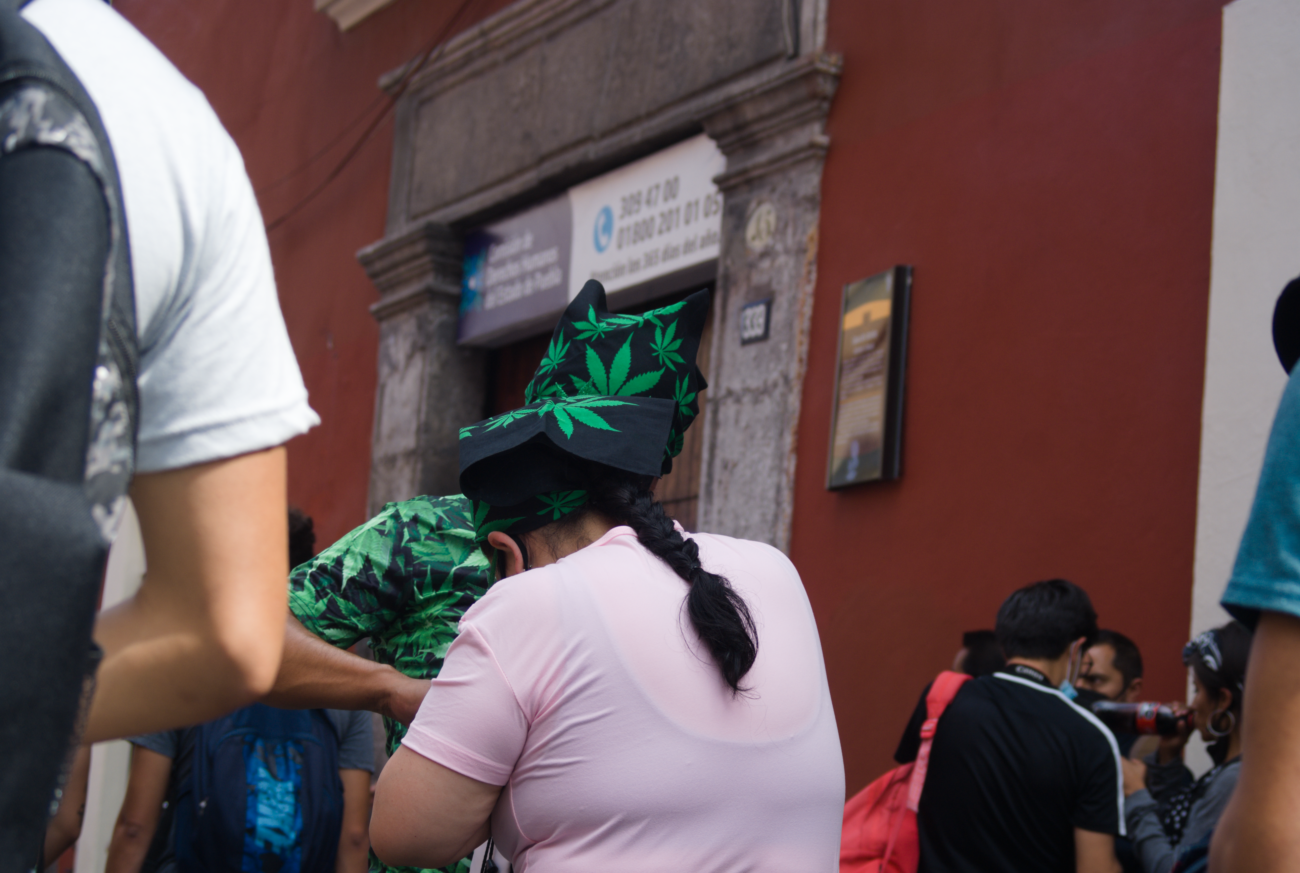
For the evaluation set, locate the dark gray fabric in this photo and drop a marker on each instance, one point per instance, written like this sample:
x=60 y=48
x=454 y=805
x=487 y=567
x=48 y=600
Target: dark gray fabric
x=1153 y=846
x=67 y=390
x=165 y=743
x=356 y=739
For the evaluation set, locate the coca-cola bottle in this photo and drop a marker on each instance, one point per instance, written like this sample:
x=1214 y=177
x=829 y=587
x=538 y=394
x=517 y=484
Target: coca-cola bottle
x=1140 y=718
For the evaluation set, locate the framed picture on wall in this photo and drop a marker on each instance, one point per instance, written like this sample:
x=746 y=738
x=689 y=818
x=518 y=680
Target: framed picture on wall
x=867 y=414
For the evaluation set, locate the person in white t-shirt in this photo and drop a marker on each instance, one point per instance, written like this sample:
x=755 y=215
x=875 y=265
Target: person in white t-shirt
x=220 y=392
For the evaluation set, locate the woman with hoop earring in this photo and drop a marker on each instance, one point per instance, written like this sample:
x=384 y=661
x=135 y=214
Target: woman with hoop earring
x=1170 y=816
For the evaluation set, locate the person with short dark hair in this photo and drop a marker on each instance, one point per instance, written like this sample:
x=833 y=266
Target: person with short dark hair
x=979 y=655
x=1112 y=667
x=1021 y=779
x=1112 y=670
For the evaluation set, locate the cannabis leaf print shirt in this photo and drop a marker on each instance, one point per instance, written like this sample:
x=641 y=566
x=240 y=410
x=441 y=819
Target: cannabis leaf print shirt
x=403 y=579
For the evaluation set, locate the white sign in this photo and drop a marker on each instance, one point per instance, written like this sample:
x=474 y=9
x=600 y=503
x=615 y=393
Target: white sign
x=650 y=218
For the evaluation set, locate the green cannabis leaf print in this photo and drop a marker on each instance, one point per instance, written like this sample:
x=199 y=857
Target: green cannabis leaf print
x=561 y=503
x=505 y=419
x=536 y=390
x=482 y=526
x=567 y=410
x=684 y=397
x=402 y=579
x=614 y=381
x=665 y=347
x=652 y=316
x=555 y=354
x=675 y=442
x=593 y=327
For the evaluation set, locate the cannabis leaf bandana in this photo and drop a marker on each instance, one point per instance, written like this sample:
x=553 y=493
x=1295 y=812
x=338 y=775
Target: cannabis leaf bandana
x=616 y=389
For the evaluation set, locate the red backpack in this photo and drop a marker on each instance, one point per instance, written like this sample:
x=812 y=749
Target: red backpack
x=880 y=834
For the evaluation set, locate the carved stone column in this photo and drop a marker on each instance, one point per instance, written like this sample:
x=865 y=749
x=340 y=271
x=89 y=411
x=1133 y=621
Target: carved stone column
x=428 y=386
x=773 y=136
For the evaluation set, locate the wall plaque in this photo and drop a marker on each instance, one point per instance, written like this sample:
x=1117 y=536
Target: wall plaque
x=755 y=321
x=867 y=416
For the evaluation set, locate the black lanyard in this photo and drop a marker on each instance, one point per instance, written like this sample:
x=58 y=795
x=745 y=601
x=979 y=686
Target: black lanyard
x=1027 y=672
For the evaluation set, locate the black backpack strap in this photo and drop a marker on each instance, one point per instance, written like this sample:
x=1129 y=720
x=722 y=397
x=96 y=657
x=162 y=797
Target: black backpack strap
x=68 y=408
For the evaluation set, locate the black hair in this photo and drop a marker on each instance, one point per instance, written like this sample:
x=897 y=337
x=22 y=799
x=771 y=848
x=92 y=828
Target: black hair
x=1042 y=619
x=1234 y=647
x=983 y=654
x=719 y=615
x=1128 y=660
x=302 y=537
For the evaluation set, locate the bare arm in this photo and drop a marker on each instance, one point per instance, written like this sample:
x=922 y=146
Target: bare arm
x=1257 y=831
x=64 y=829
x=426 y=815
x=354 y=841
x=203 y=635
x=1094 y=852
x=146 y=788
x=315 y=674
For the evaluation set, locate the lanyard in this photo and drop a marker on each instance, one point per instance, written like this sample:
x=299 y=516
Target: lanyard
x=1027 y=672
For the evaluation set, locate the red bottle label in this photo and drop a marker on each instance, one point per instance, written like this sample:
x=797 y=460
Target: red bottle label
x=1146 y=718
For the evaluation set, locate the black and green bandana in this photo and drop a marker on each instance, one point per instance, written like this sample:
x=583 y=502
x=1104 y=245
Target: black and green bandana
x=616 y=389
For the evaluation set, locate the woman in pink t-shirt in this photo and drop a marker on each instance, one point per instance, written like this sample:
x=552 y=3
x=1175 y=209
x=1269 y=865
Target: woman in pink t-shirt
x=627 y=697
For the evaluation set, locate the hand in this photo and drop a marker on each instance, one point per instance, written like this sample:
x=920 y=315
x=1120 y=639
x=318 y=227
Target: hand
x=1135 y=775
x=1171 y=748
x=403 y=697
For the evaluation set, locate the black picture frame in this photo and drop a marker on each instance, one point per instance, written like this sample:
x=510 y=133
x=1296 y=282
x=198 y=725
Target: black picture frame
x=866 y=435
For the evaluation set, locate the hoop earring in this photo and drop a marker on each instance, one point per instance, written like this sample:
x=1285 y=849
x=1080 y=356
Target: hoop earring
x=1232 y=724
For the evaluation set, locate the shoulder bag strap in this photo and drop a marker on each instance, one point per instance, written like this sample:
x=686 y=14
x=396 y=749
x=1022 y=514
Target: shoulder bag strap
x=942 y=692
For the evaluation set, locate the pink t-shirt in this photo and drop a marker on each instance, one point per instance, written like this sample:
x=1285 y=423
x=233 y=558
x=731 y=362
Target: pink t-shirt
x=582 y=688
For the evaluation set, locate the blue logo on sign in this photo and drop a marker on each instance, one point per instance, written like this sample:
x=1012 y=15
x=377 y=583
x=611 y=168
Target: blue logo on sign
x=604 y=228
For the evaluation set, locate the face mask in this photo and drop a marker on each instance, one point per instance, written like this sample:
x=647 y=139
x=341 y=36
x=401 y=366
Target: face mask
x=1071 y=675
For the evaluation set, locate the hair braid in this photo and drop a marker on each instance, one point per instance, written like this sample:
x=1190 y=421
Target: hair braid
x=719 y=615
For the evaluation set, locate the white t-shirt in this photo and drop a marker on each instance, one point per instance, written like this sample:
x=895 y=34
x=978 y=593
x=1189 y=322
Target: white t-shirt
x=583 y=689
x=218 y=377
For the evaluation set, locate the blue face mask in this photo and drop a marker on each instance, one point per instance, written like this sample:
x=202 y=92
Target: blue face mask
x=1067 y=689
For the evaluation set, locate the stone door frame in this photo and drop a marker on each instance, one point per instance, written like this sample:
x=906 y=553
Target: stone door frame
x=767 y=119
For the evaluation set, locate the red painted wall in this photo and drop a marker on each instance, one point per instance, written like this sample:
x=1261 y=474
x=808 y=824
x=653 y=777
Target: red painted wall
x=1048 y=170
x=286 y=83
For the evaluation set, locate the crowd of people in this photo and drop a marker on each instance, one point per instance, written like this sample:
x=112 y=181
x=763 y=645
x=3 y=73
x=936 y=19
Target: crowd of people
x=568 y=679
x=1022 y=774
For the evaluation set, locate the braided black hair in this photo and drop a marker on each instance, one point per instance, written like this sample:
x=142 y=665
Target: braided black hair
x=719 y=615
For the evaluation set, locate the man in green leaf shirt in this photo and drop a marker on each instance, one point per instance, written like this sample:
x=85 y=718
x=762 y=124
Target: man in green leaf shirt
x=403 y=580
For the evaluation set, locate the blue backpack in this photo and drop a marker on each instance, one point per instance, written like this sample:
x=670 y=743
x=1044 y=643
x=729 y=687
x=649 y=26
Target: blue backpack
x=263 y=795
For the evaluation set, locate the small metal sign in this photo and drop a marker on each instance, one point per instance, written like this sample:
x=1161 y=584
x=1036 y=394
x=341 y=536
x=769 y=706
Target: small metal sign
x=754 y=321
x=867 y=421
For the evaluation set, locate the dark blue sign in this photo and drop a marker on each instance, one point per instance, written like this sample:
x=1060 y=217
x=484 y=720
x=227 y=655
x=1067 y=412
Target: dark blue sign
x=516 y=274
